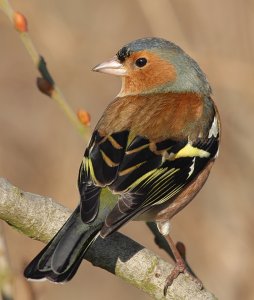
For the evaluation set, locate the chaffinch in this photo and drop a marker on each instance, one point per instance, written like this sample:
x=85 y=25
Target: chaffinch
x=153 y=149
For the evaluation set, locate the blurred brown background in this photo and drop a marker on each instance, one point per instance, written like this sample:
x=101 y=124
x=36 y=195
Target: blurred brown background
x=40 y=152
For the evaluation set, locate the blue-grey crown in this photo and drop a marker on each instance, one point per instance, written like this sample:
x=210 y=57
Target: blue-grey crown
x=191 y=77
x=145 y=43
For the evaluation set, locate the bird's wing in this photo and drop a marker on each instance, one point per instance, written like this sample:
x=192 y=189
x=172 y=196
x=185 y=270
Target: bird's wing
x=144 y=173
x=99 y=169
x=151 y=174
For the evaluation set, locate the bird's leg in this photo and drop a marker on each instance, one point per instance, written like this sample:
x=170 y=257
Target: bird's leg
x=180 y=264
x=179 y=267
x=159 y=239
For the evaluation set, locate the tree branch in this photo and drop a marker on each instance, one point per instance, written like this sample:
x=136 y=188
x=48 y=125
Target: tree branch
x=40 y=218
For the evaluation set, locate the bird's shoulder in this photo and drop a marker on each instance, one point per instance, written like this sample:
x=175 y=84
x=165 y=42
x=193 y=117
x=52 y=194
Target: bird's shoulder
x=159 y=116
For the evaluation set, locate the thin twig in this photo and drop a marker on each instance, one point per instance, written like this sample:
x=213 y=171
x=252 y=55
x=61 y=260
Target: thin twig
x=46 y=84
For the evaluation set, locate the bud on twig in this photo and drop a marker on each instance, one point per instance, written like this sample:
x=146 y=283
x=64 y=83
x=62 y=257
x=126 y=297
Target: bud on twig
x=84 y=117
x=20 y=22
x=44 y=86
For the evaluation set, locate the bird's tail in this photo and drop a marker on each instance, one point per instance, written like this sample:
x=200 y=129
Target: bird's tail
x=60 y=259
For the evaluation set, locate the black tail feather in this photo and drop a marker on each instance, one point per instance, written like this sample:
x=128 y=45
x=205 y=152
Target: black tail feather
x=60 y=259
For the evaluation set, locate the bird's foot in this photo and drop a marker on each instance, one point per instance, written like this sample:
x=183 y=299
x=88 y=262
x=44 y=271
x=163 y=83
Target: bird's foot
x=180 y=267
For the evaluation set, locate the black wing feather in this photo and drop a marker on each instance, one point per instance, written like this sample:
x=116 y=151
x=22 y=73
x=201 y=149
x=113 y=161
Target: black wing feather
x=165 y=181
x=99 y=168
x=143 y=177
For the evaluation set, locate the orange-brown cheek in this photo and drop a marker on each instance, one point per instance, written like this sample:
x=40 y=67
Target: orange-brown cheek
x=157 y=73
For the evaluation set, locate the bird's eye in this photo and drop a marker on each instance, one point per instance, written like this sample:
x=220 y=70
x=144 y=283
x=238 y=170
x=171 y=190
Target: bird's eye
x=141 y=62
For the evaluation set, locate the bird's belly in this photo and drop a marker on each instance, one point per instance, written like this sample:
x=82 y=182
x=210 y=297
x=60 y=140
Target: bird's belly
x=165 y=211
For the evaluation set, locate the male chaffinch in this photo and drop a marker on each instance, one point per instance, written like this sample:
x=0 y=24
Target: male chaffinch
x=153 y=149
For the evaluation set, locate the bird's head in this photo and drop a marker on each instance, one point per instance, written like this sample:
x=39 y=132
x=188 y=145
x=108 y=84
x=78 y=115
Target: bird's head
x=155 y=65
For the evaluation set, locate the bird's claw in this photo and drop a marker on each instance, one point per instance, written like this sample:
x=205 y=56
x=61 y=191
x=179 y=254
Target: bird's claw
x=179 y=268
